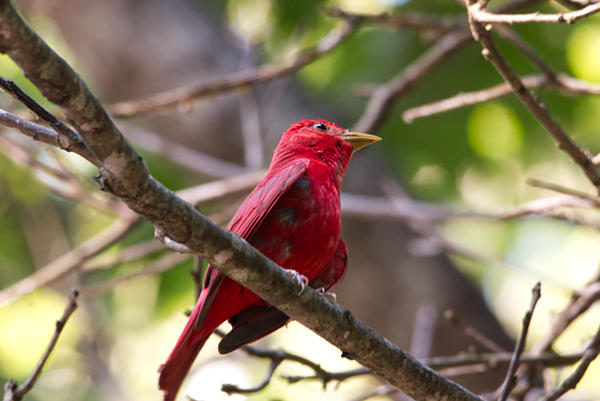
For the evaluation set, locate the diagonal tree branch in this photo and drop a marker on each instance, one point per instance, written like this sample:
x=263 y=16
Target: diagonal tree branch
x=528 y=98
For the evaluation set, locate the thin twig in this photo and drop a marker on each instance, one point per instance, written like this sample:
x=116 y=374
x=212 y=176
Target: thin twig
x=426 y=23
x=164 y=263
x=546 y=206
x=14 y=392
x=237 y=80
x=580 y=302
x=383 y=97
x=72 y=260
x=60 y=182
x=563 y=190
x=566 y=84
x=323 y=374
x=511 y=378
x=536 y=59
x=35 y=131
x=128 y=254
x=200 y=163
x=69 y=262
x=472 y=332
x=487 y=17
x=590 y=353
x=66 y=139
x=481 y=363
x=232 y=388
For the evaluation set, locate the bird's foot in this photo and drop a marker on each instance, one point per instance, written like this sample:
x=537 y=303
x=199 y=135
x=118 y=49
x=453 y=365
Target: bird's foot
x=329 y=295
x=299 y=278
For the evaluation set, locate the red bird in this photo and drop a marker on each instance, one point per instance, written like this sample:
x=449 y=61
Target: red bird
x=293 y=217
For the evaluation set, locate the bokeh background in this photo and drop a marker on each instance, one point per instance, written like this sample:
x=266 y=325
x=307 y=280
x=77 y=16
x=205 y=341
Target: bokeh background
x=476 y=158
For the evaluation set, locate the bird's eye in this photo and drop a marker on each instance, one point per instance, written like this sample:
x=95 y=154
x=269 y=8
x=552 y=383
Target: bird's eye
x=320 y=126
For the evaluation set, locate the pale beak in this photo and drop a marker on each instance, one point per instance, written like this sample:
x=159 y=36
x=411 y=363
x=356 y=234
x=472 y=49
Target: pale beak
x=358 y=140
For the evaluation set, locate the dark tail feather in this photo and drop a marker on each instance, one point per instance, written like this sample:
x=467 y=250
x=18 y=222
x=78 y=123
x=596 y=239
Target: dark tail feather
x=174 y=370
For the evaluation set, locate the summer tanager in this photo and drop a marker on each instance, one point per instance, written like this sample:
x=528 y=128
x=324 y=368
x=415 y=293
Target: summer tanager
x=293 y=217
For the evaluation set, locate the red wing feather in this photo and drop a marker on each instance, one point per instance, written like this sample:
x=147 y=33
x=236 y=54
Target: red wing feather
x=249 y=216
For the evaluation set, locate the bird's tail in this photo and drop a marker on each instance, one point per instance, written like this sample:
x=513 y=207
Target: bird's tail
x=174 y=370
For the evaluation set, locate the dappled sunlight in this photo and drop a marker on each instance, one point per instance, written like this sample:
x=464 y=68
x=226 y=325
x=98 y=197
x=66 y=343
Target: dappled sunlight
x=583 y=50
x=494 y=131
x=26 y=326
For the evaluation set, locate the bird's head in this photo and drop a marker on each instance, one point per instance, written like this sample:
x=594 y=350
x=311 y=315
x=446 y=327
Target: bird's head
x=323 y=140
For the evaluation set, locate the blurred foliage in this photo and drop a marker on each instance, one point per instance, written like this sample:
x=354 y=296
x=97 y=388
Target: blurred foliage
x=477 y=157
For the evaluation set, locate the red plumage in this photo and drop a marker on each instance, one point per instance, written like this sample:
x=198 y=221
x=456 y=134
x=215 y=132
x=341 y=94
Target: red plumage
x=293 y=217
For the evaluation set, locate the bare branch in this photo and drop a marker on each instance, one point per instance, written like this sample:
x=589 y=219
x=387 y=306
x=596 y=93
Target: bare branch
x=125 y=255
x=215 y=190
x=173 y=97
x=472 y=332
x=232 y=388
x=487 y=17
x=590 y=353
x=35 y=131
x=577 y=305
x=529 y=99
x=511 y=378
x=536 y=59
x=61 y=182
x=565 y=84
x=14 y=392
x=200 y=163
x=69 y=262
x=166 y=262
x=383 y=97
x=72 y=260
x=426 y=23
x=546 y=206
x=476 y=363
x=279 y=356
x=563 y=190
x=66 y=139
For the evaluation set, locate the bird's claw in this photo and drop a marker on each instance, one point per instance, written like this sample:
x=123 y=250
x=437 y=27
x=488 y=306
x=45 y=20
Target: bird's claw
x=301 y=280
x=329 y=295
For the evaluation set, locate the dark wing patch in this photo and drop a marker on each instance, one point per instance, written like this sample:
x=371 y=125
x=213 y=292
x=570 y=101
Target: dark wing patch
x=251 y=324
x=248 y=217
